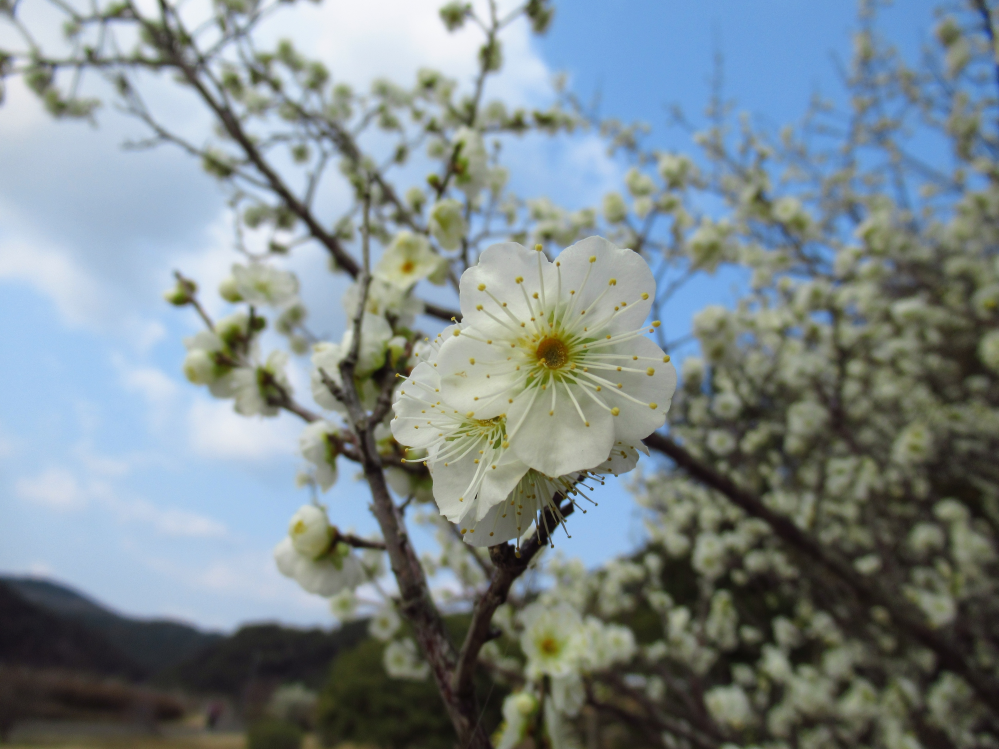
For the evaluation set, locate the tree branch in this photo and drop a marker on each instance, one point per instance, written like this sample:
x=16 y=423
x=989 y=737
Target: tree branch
x=509 y=564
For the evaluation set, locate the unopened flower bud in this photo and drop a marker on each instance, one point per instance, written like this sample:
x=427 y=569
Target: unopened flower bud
x=181 y=293
x=199 y=367
x=310 y=531
x=229 y=291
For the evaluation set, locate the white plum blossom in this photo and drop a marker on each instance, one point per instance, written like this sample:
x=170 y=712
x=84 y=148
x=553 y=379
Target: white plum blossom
x=615 y=209
x=310 y=531
x=402 y=661
x=384 y=299
x=343 y=605
x=305 y=555
x=479 y=482
x=317 y=448
x=552 y=640
x=558 y=350
x=472 y=173
x=518 y=710
x=408 y=259
x=729 y=705
x=447 y=223
x=375 y=336
x=384 y=624
x=262 y=284
x=252 y=387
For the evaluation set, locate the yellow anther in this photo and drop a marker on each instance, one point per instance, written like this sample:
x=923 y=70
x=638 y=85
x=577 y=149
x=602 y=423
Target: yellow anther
x=655 y=323
x=470 y=414
x=538 y=248
x=519 y=279
x=615 y=411
x=645 y=295
x=478 y=307
x=456 y=333
x=464 y=531
x=506 y=444
x=471 y=360
x=482 y=287
x=593 y=258
x=535 y=295
x=551 y=413
x=666 y=358
x=612 y=282
x=653 y=406
x=650 y=371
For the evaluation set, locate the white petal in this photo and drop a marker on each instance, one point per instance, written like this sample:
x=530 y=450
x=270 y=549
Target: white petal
x=638 y=420
x=466 y=386
x=631 y=273
x=556 y=441
x=453 y=490
x=502 y=522
x=623 y=458
x=415 y=408
x=497 y=271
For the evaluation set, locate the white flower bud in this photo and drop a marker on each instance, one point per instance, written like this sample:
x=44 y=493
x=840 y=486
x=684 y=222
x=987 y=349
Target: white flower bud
x=447 y=223
x=199 y=367
x=310 y=531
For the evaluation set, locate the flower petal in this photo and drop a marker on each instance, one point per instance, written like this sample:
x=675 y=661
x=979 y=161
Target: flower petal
x=550 y=436
x=631 y=274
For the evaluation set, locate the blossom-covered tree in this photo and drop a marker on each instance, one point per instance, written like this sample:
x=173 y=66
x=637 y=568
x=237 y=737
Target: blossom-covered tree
x=823 y=501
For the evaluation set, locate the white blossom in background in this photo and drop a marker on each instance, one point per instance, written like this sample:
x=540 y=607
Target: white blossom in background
x=408 y=259
x=317 y=448
x=384 y=624
x=402 y=661
x=472 y=172
x=261 y=284
x=447 y=223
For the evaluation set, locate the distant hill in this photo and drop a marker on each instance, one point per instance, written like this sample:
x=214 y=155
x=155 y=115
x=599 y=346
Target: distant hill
x=152 y=644
x=33 y=636
x=265 y=652
x=56 y=626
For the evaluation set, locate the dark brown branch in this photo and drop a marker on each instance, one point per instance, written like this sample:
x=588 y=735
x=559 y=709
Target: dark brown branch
x=356 y=541
x=867 y=590
x=509 y=564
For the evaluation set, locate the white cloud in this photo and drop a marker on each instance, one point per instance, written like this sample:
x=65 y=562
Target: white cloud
x=156 y=387
x=56 y=488
x=60 y=489
x=78 y=295
x=100 y=465
x=216 y=431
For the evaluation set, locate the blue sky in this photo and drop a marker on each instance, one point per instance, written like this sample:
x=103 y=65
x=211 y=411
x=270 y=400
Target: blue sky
x=118 y=477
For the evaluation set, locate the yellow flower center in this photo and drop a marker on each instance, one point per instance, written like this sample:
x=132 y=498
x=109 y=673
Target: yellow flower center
x=408 y=266
x=552 y=353
x=549 y=646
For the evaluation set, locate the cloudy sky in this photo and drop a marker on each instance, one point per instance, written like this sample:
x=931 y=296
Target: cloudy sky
x=118 y=477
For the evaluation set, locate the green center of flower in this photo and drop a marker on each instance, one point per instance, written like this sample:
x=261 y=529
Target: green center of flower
x=552 y=353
